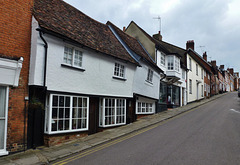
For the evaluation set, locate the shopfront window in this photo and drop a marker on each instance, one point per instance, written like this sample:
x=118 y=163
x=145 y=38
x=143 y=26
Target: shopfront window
x=173 y=95
x=163 y=92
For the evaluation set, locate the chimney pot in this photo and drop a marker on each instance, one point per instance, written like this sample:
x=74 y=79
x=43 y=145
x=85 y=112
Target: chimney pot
x=124 y=28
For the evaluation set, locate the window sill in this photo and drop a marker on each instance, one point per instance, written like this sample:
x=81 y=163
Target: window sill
x=144 y=113
x=73 y=67
x=119 y=78
x=112 y=125
x=149 y=83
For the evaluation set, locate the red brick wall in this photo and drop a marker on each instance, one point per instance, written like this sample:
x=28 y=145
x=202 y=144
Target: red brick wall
x=52 y=140
x=15 y=30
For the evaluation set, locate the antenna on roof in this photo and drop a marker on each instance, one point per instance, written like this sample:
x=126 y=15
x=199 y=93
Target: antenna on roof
x=201 y=47
x=159 y=19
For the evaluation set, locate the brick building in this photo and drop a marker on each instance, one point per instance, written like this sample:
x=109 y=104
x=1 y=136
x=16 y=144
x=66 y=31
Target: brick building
x=15 y=40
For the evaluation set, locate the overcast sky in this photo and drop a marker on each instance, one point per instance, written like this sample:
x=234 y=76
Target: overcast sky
x=213 y=24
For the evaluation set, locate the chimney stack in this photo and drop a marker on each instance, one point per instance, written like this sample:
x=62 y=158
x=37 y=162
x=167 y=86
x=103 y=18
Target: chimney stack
x=124 y=28
x=231 y=70
x=190 y=44
x=214 y=63
x=205 y=56
x=158 y=36
x=222 y=67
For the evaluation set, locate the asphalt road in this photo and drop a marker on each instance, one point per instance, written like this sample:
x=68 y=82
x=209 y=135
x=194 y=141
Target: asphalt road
x=208 y=135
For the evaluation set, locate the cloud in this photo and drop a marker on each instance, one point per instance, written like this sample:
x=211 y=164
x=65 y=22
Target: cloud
x=212 y=24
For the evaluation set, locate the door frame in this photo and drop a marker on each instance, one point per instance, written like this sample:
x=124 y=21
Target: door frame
x=4 y=150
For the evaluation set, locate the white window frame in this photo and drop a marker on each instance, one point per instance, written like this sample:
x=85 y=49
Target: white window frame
x=163 y=59
x=183 y=74
x=49 y=120
x=190 y=86
x=4 y=151
x=202 y=90
x=73 y=58
x=102 y=115
x=170 y=62
x=177 y=63
x=150 y=76
x=190 y=63
x=197 y=69
x=119 y=70
x=143 y=106
x=202 y=73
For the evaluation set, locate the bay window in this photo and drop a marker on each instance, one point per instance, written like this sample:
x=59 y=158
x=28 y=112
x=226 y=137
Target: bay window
x=170 y=62
x=112 y=112
x=173 y=63
x=66 y=113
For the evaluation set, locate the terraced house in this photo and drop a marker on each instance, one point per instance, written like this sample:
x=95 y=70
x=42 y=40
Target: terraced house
x=88 y=75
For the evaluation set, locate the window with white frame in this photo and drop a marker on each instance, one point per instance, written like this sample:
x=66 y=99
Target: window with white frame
x=112 y=112
x=66 y=114
x=163 y=59
x=202 y=73
x=119 y=70
x=190 y=86
x=190 y=63
x=150 y=75
x=170 y=62
x=144 y=108
x=202 y=90
x=197 y=69
x=72 y=56
x=177 y=64
x=205 y=87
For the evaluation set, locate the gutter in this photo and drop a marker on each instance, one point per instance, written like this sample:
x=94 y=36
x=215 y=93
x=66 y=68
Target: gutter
x=45 y=56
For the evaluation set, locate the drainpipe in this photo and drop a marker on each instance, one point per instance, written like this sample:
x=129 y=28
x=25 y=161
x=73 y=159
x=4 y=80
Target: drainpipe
x=45 y=55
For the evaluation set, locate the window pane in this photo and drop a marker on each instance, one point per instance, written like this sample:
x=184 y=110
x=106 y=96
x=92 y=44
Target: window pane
x=54 y=113
x=75 y=102
x=75 y=113
x=61 y=101
x=74 y=124
x=2 y=133
x=61 y=112
x=66 y=125
x=55 y=101
x=67 y=112
x=54 y=125
x=67 y=101
x=60 y=125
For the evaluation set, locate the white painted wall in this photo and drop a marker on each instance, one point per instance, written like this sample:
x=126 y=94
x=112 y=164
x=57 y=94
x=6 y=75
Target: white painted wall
x=192 y=75
x=141 y=86
x=97 y=79
x=36 y=69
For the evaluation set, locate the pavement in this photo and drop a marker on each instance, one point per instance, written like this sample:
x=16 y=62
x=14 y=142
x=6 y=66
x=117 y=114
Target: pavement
x=45 y=155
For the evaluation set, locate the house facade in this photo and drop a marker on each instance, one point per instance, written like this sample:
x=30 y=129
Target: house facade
x=195 y=75
x=86 y=83
x=171 y=60
x=14 y=62
x=146 y=78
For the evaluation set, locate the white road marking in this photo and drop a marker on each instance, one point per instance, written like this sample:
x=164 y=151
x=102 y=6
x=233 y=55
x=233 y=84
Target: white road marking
x=234 y=110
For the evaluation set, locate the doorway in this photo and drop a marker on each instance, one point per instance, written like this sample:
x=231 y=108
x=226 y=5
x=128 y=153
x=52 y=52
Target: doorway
x=3 y=119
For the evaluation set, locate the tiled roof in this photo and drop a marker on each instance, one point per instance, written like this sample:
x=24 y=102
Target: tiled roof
x=59 y=17
x=133 y=44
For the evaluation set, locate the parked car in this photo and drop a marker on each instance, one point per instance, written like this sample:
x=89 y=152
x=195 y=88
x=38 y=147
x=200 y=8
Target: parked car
x=238 y=92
